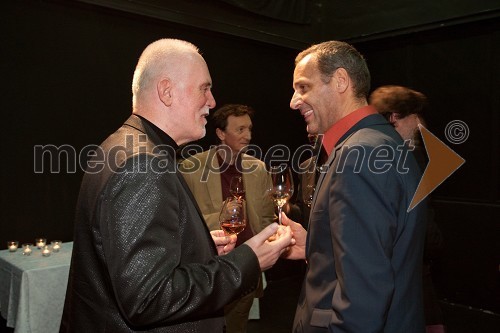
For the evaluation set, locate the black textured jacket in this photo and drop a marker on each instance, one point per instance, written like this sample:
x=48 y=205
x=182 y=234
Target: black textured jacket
x=143 y=258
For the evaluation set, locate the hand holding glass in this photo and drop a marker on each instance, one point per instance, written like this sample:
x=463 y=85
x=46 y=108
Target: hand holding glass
x=233 y=216
x=282 y=188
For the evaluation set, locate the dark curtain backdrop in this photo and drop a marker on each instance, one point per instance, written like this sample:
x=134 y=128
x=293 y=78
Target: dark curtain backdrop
x=295 y=11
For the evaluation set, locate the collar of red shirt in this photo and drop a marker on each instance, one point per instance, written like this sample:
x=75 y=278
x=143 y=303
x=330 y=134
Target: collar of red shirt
x=341 y=127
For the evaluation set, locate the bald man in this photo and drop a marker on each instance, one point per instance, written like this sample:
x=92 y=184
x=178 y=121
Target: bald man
x=143 y=258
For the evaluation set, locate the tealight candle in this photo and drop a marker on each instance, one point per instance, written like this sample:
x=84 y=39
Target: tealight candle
x=56 y=245
x=27 y=249
x=40 y=242
x=12 y=246
x=46 y=251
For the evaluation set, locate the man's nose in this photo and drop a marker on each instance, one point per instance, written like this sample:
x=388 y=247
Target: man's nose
x=211 y=100
x=295 y=101
x=248 y=135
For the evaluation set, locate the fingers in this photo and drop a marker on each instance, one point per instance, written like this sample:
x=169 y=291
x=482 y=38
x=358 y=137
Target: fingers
x=217 y=233
x=229 y=247
x=284 y=219
x=221 y=239
x=283 y=235
x=296 y=227
x=266 y=233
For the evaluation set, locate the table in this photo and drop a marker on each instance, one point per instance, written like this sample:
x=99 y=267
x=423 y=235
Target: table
x=33 y=289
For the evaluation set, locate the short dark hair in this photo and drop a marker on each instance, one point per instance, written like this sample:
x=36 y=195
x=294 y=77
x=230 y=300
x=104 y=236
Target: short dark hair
x=402 y=100
x=220 y=116
x=335 y=54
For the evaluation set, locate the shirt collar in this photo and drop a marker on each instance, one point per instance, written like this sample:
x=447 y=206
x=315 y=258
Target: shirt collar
x=341 y=127
x=223 y=164
x=164 y=137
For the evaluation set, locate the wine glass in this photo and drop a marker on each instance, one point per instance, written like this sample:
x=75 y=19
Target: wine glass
x=236 y=187
x=282 y=187
x=309 y=194
x=233 y=216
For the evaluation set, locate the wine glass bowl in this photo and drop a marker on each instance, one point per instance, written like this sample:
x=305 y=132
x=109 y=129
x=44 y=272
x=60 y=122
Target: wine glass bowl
x=236 y=187
x=282 y=187
x=233 y=216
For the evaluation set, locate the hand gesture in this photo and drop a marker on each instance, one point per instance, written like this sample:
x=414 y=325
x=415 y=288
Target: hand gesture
x=298 y=250
x=268 y=251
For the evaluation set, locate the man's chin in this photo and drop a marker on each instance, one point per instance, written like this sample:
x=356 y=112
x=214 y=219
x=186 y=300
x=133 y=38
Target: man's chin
x=203 y=132
x=311 y=130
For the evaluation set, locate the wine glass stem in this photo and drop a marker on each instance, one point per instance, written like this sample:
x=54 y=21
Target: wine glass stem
x=280 y=209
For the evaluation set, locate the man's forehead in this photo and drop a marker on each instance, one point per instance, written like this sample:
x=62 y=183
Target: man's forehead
x=305 y=67
x=238 y=120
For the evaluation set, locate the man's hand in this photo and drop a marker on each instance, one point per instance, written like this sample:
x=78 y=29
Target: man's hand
x=297 y=251
x=223 y=243
x=268 y=251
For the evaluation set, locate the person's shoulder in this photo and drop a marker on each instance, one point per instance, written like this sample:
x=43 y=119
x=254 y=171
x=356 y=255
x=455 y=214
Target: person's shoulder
x=249 y=160
x=199 y=156
x=196 y=162
x=374 y=137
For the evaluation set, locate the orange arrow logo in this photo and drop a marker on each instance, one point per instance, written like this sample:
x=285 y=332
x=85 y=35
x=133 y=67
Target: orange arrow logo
x=442 y=163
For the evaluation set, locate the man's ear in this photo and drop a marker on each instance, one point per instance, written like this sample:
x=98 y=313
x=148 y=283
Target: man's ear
x=341 y=80
x=164 y=89
x=220 y=134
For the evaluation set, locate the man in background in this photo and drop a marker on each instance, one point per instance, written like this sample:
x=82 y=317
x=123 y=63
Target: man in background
x=209 y=176
x=404 y=108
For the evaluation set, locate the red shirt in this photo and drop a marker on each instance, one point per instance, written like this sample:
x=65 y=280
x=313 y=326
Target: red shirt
x=341 y=127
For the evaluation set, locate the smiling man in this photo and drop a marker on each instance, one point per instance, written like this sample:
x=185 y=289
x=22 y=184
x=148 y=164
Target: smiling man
x=363 y=249
x=209 y=175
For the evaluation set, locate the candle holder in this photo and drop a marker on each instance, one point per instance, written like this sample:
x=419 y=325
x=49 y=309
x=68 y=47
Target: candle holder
x=12 y=245
x=46 y=251
x=56 y=245
x=27 y=249
x=40 y=242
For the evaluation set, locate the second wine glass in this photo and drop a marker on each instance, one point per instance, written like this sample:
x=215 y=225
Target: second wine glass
x=233 y=216
x=236 y=187
x=282 y=187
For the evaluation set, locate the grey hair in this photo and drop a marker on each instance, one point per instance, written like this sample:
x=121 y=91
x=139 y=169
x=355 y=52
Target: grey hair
x=155 y=60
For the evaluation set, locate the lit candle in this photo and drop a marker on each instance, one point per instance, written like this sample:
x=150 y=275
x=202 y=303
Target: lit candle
x=56 y=245
x=40 y=242
x=27 y=249
x=46 y=251
x=12 y=246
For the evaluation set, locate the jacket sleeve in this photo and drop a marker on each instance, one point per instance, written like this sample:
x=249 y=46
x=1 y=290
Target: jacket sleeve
x=160 y=257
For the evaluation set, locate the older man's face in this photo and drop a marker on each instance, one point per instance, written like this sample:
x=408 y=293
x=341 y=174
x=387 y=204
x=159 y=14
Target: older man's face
x=193 y=98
